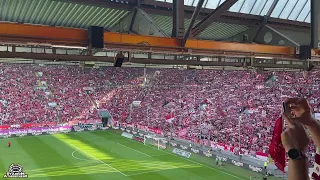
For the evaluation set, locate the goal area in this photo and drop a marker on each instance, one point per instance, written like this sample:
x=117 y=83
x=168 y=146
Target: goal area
x=160 y=143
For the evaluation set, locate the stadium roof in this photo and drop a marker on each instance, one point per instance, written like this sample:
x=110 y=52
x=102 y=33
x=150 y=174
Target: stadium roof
x=287 y=16
x=296 y=10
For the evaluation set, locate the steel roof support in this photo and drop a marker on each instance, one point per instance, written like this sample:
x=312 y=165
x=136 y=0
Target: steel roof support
x=264 y=35
x=178 y=19
x=266 y=18
x=165 y=9
x=213 y=16
x=138 y=22
x=134 y=15
x=192 y=21
x=315 y=17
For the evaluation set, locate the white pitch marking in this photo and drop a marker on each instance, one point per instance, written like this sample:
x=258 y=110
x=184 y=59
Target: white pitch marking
x=187 y=159
x=134 y=150
x=77 y=157
x=148 y=172
x=96 y=158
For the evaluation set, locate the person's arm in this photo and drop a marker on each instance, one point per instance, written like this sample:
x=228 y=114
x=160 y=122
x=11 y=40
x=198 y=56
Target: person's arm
x=314 y=130
x=296 y=138
x=298 y=169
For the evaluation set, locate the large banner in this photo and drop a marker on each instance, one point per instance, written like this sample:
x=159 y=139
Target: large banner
x=155 y=130
x=181 y=152
x=6 y=133
x=29 y=125
x=88 y=127
x=75 y=122
x=127 y=135
x=34 y=131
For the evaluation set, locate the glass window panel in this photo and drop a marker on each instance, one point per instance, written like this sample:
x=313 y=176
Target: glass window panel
x=195 y=3
x=205 y=3
x=236 y=7
x=258 y=7
x=304 y=12
x=278 y=9
x=297 y=10
x=247 y=6
x=308 y=19
x=188 y=2
x=288 y=9
x=169 y=1
x=266 y=7
x=212 y=4
x=221 y=1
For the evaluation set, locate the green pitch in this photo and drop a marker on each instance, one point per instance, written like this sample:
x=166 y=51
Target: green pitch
x=106 y=155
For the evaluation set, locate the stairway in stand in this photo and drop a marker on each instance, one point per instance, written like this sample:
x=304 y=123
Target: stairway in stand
x=91 y=100
x=49 y=97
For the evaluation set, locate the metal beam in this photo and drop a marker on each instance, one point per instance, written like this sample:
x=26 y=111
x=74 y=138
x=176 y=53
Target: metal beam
x=271 y=9
x=267 y=35
x=165 y=9
x=57 y=36
x=265 y=18
x=213 y=16
x=192 y=21
x=315 y=25
x=138 y=22
x=134 y=15
x=55 y=57
x=14 y=56
x=178 y=19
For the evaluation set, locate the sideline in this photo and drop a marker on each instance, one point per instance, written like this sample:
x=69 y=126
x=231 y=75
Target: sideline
x=134 y=150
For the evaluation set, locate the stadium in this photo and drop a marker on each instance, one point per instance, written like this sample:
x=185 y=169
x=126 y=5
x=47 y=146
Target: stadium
x=152 y=89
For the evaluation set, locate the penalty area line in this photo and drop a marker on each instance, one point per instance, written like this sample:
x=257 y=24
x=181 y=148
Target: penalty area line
x=96 y=158
x=170 y=153
x=147 y=172
x=77 y=157
x=134 y=149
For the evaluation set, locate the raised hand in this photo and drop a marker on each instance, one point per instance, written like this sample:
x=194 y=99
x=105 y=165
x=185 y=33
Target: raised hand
x=294 y=136
x=299 y=110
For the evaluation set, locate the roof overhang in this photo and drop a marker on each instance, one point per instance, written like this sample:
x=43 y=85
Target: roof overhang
x=164 y=8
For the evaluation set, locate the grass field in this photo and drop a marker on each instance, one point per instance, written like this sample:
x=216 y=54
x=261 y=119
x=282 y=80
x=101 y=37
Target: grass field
x=106 y=155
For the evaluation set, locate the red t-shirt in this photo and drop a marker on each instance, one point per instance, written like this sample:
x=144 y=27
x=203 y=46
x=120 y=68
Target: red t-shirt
x=9 y=143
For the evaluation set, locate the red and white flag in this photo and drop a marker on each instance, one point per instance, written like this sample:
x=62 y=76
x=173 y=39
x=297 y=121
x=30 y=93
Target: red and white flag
x=316 y=169
x=183 y=132
x=276 y=150
x=170 y=117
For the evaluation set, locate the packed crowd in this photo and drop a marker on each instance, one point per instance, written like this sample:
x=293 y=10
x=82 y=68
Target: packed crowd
x=203 y=103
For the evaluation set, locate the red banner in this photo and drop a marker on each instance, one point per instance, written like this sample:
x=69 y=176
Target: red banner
x=262 y=156
x=29 y=125
x=4 y=127
x=75 y=122
x=24 y=126
x=155 y=130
